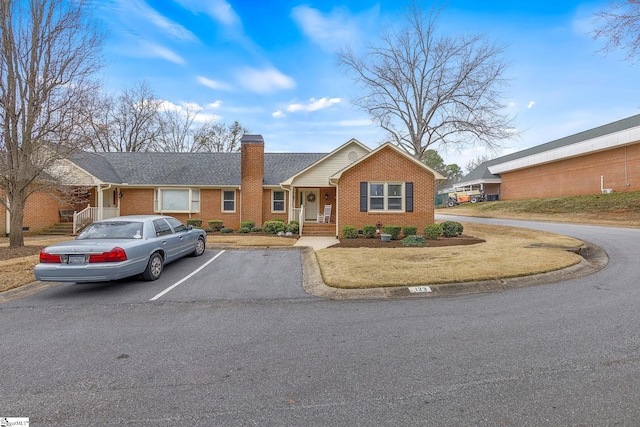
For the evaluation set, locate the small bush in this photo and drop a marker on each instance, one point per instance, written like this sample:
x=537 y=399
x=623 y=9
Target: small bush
x=394 y=230
x=256 y=229
x=278 y=219
x=226 y=230
x=349 y=232
x=433 y=231
x=274 y=227
x=247 y=224
x=409 y=230
x=194 y=222
x=216 y=224
x=413 y=240
x=244 y=230
x=293 y=227
x=451 y=228
x=369 y=231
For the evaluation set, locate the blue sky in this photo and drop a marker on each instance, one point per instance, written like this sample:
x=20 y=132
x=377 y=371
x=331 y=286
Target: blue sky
x=272 y=65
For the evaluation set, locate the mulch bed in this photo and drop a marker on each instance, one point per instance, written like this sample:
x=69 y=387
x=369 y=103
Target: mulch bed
x=376 y=242
x=9 y=253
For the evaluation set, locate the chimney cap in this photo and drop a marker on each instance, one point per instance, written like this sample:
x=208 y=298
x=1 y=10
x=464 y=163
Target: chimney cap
x=251 y=139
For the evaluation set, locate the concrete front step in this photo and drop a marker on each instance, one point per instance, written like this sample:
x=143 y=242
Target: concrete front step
x=61 y=228
x=314 y=229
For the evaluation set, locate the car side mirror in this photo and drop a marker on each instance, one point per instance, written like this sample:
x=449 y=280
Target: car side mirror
x=189 y=227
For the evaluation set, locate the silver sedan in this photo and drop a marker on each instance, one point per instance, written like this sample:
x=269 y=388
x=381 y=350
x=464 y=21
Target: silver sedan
x=120 y=247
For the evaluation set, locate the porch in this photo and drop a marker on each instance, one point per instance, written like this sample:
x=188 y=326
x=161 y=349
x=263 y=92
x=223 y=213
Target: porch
x=91 y=214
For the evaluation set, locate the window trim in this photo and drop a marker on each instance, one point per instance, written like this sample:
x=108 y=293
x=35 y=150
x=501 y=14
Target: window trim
x=284 y=201
x=385 y=196
x=222 y=200
x=157 y=202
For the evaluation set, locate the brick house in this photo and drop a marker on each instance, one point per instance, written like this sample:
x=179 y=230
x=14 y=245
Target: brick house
x=362 y=186
x=599 y=160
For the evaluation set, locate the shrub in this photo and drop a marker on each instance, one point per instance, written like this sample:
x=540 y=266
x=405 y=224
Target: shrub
x=433 y=231
x=451 y=228
x=256 y=229
x=194 y=222
x=273 y=227
x=226 y=230
x=413 y=240
x=216 y=224
x=394 y=230
x=244 y=230
x=349 y=232
x=293 y=227
x=369 y=231
x=247 y=224
x=409 y=230
x=278 y=219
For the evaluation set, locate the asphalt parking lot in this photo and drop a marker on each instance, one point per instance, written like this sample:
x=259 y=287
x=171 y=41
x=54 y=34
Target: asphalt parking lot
x=218 y=275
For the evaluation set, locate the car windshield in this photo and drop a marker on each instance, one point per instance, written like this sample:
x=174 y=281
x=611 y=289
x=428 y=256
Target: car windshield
x=112 y=230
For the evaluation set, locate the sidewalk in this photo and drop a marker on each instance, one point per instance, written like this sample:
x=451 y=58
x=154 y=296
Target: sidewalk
x=317 y=243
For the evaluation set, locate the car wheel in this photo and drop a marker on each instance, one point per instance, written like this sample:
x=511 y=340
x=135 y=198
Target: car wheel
x=199 y=250
x=154 y=268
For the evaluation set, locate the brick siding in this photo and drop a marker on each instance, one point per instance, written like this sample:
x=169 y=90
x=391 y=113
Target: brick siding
x=387 y=166
x=577 y=176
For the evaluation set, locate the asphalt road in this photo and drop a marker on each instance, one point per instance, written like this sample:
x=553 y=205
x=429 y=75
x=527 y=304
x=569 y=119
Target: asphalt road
x=239 y=344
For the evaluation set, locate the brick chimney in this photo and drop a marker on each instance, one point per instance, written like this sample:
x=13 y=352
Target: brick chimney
x=252 y=177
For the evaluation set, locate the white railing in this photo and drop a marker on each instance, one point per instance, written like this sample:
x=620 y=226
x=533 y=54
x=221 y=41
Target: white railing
x=88 y=215
x=84 y=217
x=299 y=214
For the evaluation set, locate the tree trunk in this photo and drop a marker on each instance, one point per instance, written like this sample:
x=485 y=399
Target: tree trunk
x=17 y=204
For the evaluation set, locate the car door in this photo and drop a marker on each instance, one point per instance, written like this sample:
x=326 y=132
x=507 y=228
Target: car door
x=187 y=239
x=169 y=241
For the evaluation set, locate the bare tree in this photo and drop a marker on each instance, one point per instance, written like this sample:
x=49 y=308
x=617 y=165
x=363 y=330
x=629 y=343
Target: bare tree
x=126 y=122
x=619 y=25
x=427 y=89
x=176 y=128
x=218 y=137
x=474 y=163
x=49 y=50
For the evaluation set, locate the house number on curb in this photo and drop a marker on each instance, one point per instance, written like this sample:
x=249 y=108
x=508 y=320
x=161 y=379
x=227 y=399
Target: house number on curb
x=417 y=289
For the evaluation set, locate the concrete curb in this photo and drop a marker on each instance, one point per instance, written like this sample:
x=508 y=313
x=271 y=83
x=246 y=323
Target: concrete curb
x=593 y=259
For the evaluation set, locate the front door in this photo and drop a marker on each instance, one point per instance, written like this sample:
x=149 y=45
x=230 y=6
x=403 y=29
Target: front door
x=309 y=198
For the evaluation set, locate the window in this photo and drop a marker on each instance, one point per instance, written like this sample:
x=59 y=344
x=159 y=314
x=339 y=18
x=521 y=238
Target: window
x=177 y=200
x=176 y=225
x=162 y=227
x=277 y=204
x=386 y=196
x=229 y=201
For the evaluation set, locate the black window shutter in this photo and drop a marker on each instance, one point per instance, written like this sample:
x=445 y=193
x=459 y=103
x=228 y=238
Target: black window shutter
x=363 y=197
x=409 y=199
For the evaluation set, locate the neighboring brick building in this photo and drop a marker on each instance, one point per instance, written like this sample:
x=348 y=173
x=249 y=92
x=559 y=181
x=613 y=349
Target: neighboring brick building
x=360 y=185
x=603 y=159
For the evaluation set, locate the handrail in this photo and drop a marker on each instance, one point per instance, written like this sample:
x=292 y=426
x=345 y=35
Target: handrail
x=301 y=218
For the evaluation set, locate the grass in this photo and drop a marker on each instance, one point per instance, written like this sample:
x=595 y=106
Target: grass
x=508 y=252
x=615 y=209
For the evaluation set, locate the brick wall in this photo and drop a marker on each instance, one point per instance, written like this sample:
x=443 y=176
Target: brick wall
x=576 y=176
x=252 y=176
x=40 y=213
x=386 y=165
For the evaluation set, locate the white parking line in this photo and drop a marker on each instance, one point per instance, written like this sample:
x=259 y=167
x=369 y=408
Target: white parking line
x=187 y=277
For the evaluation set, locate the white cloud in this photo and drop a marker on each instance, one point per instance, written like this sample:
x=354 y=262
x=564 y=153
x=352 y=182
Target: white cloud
x=278 y=114
x=219 y=10
x=531 y=104
x=215 y=104
x=335 y=29
x=213 y=84
x=264 y=81
x=141 y=10
x=154 y=50
x=313 y=105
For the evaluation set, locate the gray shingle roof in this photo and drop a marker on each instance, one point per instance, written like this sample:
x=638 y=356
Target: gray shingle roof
x=188 y=169
x=482 y=171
